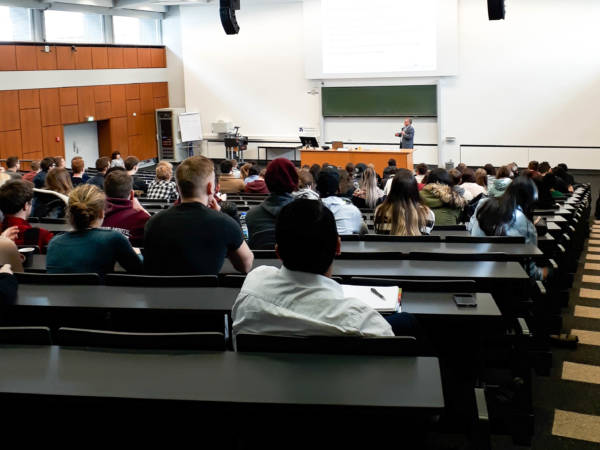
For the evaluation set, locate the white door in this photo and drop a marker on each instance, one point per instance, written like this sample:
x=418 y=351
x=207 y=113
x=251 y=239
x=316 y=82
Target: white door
x=82 y=140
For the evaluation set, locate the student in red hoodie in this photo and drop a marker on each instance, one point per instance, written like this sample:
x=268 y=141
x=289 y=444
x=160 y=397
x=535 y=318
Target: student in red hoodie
x=123 y=211
x=256 y=183
x=15 y=202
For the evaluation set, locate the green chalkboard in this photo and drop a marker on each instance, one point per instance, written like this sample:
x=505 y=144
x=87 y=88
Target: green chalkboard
x=379 y=101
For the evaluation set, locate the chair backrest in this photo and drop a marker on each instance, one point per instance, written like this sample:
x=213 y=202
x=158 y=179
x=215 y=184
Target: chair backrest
x=264 y=254
x=81 y=337
x=389 y=238
x=442 y=256
x=450 y=228
x=114 y=279
x=487 y=239
x=342 y=345
x=53 y=220
x=232 y=281
x=58 y=278
x=263 y=240
x=25 y=336
x=452 y=286
x=47 y=205
x=152 y=200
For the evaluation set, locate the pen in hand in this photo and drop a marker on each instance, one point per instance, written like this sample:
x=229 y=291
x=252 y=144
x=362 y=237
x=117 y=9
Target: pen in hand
x=377 y=293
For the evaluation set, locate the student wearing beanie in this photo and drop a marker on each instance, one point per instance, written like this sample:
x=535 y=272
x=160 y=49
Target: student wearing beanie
x=282 y=179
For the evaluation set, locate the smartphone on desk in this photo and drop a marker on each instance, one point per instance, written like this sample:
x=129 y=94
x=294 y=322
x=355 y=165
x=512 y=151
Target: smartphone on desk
x=465 y=300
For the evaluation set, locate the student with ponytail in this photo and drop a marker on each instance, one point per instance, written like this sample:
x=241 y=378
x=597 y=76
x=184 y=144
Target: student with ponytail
x=90 y=249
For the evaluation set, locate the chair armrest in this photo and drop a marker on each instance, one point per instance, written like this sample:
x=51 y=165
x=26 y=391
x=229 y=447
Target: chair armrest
x=523 y=325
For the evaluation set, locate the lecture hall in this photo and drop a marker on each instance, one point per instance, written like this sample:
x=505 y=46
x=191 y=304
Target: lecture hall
x=284 y=224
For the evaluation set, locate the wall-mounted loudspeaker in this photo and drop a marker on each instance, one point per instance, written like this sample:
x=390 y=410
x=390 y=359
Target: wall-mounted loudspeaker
x=496 y=9
x=227 y=10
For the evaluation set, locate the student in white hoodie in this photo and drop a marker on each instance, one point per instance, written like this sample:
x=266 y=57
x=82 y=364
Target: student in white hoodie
x=348 y=217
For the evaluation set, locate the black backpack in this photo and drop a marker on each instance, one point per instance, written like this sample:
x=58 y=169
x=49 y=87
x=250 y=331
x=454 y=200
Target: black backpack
x=469 y=210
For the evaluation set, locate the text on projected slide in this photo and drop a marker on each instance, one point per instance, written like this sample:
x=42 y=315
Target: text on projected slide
x=378 y=36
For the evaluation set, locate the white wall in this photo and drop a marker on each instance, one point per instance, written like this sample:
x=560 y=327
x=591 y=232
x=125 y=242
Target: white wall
x=171 y=28
x=530 y=81
x=82 y=140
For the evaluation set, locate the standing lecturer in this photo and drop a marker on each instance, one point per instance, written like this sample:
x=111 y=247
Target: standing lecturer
x=407 y=134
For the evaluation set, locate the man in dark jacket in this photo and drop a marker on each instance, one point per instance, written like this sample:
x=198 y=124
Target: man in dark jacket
x=40 y=179
x=131 y=166
x=123 y=211
x=102 y=165
x=282 y=179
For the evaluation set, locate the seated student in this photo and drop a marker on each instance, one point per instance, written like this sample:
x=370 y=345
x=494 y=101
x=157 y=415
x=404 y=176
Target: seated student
x=469 y=182
x=491 y=173
x=403 y=213
x=550 y=182
x=53 y=199
x=438 y=195
x=78 y=167
x=390 y=170
x=282 y=179
x=563 y=179
x=349 y=169
x=481 y=178
x=421 y=171
x=40 y=179
x=348 y=218
x=368 y=194
x=102 y=165
x=300 y=298
x=234 y=168
x=89 y=248
x=346 y=186
x=510 y=215
x=60 y=162
x=9 y=252
x=15 y=203
x=306 y=186
x=8 y=284
x=35 y=169
x=116 y=160
x=314 y=170
x=256 y=183
x=123 y=212
x=244 y=173
x=230 y=184
x=163 y=187
x=131 y=166
x=194 y=237
x=12 y=167
x=456 y=177
x=567 y=176
x=501 y=182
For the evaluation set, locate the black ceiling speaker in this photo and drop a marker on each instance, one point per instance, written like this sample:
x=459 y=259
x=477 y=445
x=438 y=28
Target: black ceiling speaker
x=496 y=9
x=227 y=10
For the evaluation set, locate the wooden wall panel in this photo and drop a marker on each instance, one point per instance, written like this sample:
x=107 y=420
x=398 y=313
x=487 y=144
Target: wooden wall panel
x=134 y=119
x=102 y=93
x=119 y=137
x=144 y=58
x=130 y=58
x=160 y=90
x=132 y=91
x=26 y=57
x=31 y=130
x=46 y=61
x=50 y=146
x=29 y=98
x=136 y=145
x=118 y=101
x=161 y=102
x=103 y=110
x=8 y=57
x=86 y=102
x=69 y=114
x=9 y=111
x=100 y=58
x=10 y=144
x=115 y=58
x=146 y=98
x=149 y=148
x=65 y=58
x=68 y=96
x=159 y=57
x=50 y=107
x=83 y=58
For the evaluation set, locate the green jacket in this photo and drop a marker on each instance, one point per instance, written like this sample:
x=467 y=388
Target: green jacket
x=444 y=202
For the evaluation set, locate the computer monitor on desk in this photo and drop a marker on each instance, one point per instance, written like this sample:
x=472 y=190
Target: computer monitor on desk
x=309 y=142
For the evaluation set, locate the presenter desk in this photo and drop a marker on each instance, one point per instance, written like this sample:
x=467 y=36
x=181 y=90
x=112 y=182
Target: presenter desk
x=379 y=158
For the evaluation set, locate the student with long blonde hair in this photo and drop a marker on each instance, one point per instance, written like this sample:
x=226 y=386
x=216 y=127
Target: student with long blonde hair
x=403 y=212
x=368 y=194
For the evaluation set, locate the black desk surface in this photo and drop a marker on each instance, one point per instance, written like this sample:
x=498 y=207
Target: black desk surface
x=219 y=300
x=224 y=378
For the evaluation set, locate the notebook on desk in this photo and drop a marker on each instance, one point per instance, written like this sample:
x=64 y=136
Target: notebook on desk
x=385 y=299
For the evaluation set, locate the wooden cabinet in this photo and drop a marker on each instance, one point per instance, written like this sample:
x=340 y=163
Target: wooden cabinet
x=86 y=103
x=8 y=57
x=118 y=100
x=29 y=98
x=100 y=58
x=26 y=57
x=10 y=144
x=50 y=135
x=46 y=60
x=50 y=107
x=31 y=131
x=83 y=58
x=9 y=111
x=65 y=58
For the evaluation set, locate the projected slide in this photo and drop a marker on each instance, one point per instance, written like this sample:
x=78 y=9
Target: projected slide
x=378 y=36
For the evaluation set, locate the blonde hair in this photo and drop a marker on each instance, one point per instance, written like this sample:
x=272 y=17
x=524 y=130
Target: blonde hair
x=86 y=204
x=164 y=170
x=244 y=171
x=4 y=177
x=194 y=174
x=59 y=180
x=368 y=183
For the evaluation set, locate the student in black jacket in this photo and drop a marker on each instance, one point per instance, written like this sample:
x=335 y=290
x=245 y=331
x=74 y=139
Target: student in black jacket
x=131 y=166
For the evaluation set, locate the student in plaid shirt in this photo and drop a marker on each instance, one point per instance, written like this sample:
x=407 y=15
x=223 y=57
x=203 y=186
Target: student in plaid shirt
x=163 y=187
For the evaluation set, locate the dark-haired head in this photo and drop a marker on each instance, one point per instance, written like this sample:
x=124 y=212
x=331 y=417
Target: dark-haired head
x=468 y=175
x=422 y=169
x=440 y=176
x=456 y=176
x=489 y=168
x=392 y=162
x=350 y=168
x=15 y=195
x=503 y=172
x=497 y=214
x=533 y=165
x=226 y=167
x=404 y=188
x=328 y=183
x=307 y=237
x=563 y=166
x=544 y=167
